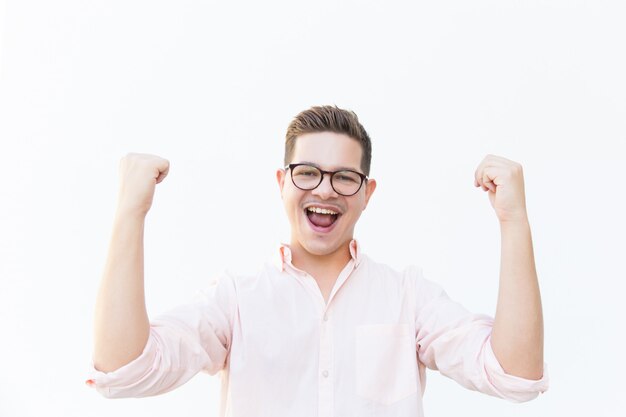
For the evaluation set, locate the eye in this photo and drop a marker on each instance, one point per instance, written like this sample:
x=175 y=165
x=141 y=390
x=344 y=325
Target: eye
x=306 y=171
x=347 y=177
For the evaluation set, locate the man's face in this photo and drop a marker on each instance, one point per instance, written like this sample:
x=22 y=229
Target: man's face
x=328 y=151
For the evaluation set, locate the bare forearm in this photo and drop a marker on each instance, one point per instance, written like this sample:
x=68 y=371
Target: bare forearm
x=121 y=321
x=517 y=338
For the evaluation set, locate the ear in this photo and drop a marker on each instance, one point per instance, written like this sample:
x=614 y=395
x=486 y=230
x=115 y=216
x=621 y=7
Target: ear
x=370 y=186
x=280 y=178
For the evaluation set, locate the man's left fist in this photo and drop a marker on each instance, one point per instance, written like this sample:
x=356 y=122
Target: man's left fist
x=504 y=180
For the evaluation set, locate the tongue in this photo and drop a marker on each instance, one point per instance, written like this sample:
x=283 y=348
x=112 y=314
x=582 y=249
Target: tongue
x=321 y=220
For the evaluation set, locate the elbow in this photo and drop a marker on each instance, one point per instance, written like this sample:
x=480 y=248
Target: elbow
x=106 y=362
x=515 y=384
x=531 y=373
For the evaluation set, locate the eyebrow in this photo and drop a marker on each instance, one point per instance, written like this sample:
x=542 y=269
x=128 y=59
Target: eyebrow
x=336 y=169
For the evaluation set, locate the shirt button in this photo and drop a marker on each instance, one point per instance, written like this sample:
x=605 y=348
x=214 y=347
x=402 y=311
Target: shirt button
x=325 y=317
x=325 y=374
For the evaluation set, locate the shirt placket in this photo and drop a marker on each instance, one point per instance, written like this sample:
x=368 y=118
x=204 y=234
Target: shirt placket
x=326 y=371
x=326 y=374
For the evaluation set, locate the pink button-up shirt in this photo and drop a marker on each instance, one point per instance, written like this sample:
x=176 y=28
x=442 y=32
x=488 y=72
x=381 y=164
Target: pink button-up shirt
x=282 y=350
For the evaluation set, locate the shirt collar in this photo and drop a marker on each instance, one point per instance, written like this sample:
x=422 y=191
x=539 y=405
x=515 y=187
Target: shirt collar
x=284 y=255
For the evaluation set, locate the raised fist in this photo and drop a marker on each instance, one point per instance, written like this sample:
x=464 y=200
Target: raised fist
x=139 y=173
x=504 y=179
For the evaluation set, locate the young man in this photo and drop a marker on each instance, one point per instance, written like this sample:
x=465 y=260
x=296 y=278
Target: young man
x=325 y=330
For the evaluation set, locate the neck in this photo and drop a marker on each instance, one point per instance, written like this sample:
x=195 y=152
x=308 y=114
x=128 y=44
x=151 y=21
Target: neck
x=322 y=267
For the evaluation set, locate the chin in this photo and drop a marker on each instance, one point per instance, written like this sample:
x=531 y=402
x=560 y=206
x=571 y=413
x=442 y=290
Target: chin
x=320 y=248
x=320 y=242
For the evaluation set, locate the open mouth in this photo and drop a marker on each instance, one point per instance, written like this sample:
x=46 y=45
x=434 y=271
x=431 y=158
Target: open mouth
x=321 y=219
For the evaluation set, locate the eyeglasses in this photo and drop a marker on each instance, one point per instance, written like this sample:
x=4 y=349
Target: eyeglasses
x=308 y=177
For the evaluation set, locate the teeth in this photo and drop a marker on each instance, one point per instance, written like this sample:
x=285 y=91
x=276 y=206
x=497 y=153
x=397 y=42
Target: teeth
x=321 y=210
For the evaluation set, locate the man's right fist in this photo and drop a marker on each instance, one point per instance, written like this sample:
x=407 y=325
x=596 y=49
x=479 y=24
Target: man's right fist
x=139 y=173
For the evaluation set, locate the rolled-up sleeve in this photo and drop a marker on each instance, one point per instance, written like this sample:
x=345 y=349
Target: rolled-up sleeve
x=182 y=342
x=457 y=342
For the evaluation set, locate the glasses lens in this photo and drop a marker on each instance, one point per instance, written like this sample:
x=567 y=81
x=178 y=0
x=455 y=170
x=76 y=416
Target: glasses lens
x=306 y=177
x=346 y=182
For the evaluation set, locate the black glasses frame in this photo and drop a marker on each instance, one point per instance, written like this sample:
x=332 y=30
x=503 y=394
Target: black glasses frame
x=332 y=174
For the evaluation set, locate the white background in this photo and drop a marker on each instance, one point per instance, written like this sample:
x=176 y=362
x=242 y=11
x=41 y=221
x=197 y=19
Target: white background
x=211 y=86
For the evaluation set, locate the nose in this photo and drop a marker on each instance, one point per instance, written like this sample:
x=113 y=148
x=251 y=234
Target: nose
x=325 y=189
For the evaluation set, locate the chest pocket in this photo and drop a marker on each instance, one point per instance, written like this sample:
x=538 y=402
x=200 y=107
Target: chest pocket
x=386 y=362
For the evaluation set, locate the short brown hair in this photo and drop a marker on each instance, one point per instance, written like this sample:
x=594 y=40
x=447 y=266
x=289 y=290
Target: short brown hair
x=329 y=119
